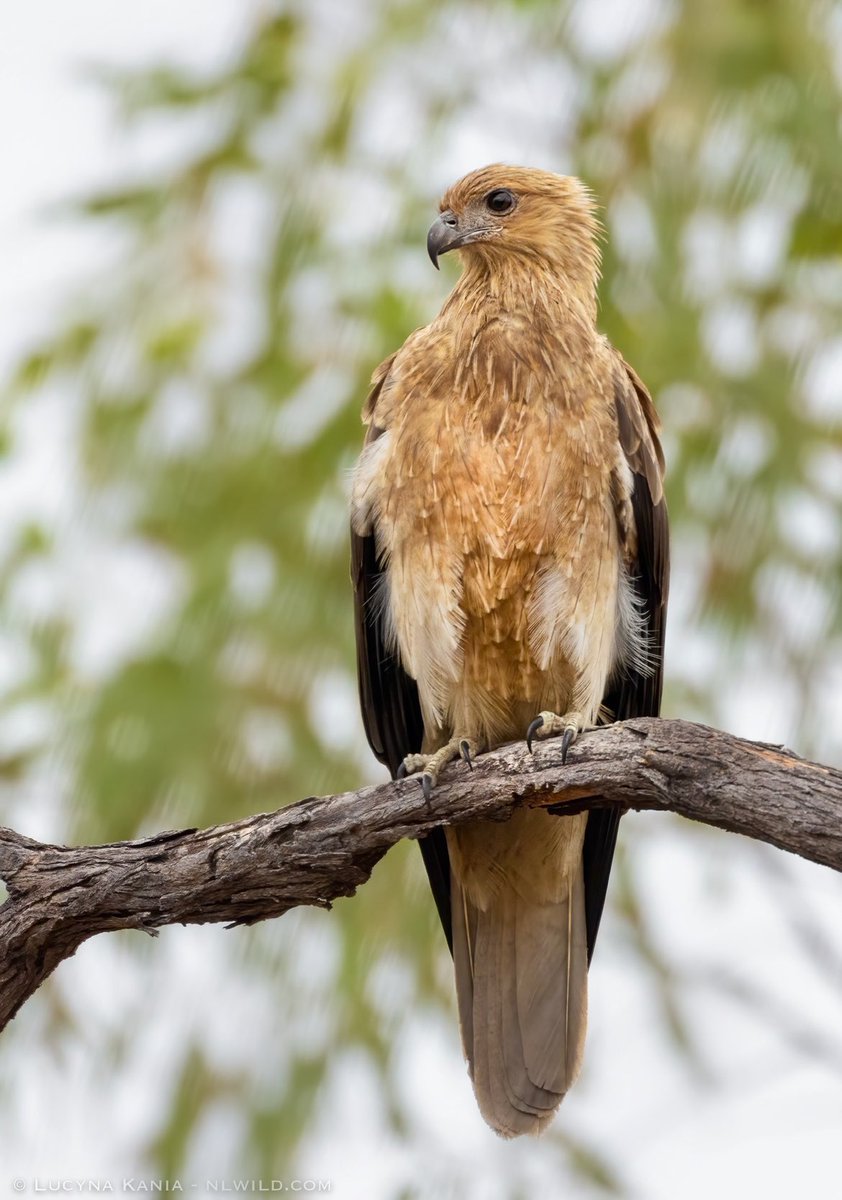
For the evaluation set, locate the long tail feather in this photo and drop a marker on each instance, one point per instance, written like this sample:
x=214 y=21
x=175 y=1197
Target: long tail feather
x=521 y=983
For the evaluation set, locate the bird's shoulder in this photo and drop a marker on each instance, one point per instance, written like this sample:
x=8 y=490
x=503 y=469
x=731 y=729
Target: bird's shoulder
x=638 y=425
x=423 y=357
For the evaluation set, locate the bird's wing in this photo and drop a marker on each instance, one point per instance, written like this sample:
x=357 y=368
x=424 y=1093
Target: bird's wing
x=634 y=692
x=388 y=696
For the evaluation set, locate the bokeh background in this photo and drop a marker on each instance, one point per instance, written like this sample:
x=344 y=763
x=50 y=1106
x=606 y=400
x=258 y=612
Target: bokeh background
x=212 y=228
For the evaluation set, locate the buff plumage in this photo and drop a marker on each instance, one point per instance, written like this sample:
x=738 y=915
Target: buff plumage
x=495 y=515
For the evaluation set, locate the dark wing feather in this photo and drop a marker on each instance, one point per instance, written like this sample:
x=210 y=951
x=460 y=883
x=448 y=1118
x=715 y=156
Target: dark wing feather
x=633 y=693
x=389 y=699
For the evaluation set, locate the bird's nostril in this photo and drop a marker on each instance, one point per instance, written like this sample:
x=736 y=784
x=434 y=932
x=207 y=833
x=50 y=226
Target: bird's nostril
x=449 y=219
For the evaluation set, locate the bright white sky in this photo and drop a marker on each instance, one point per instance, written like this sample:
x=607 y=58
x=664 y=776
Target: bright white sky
x=56 y=133
x=772 y=1131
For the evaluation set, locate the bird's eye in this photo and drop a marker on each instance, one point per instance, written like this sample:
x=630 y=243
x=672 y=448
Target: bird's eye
x=500 y=201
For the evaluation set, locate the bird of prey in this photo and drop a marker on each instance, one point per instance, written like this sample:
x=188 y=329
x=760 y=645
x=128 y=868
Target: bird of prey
x=510 y=567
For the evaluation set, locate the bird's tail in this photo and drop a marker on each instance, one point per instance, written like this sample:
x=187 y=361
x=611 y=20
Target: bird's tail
x=521 y=983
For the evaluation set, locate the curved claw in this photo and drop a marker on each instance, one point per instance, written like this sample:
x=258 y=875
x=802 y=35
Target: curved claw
x=427 y=786
x=532 y=730
x=465 y=751
x=567 y=740
x=401 y=771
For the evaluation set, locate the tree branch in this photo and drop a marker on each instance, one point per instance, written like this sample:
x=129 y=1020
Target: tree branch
x=318 y=849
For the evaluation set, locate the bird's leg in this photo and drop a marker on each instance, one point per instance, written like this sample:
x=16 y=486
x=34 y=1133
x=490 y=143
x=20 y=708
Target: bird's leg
x=429 y=765
x=548 y=724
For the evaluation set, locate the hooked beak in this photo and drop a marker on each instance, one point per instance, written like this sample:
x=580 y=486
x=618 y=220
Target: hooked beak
x=445 y=235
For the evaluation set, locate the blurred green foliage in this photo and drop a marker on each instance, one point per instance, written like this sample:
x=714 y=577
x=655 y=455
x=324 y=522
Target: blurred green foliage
x=215 y=381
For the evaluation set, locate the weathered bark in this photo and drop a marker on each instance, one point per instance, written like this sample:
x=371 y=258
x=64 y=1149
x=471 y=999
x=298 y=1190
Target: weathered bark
x=318 y=849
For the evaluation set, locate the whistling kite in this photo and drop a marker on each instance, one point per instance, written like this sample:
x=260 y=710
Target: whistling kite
x=510 y=564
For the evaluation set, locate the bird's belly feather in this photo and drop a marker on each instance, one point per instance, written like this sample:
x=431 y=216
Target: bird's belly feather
x=503 y=581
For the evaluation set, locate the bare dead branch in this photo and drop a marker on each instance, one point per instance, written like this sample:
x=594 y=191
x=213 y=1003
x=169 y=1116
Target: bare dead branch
x=318 y=849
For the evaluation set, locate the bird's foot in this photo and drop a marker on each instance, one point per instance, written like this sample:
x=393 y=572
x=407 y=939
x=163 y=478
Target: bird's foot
x=549 y=724
x=429 y=765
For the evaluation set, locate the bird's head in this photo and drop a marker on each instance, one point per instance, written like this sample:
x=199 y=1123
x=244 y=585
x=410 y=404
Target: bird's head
x=500 y=213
